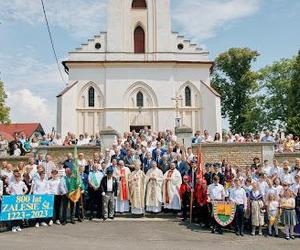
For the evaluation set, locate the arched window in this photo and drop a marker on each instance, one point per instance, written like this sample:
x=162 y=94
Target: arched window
x=91 y=97
x=139 y=40
x=139 y=4
x=139 y=99
x=188 y=100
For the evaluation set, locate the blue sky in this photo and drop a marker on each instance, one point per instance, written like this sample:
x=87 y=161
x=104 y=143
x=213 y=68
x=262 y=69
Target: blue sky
x=28 y=67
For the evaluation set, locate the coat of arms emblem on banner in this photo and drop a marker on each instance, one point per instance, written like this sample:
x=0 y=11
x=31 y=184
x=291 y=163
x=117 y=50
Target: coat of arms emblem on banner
x=224 y=212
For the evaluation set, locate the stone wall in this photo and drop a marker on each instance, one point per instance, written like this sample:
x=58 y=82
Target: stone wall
x=14 y=160
x=291 y=157
x=237 y=154
x=58 y=153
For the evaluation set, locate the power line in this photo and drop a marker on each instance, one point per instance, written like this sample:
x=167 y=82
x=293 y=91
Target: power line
x=51 y=41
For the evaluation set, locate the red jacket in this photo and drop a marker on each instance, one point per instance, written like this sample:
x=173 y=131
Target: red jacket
x=201 y=194
x=184 y=188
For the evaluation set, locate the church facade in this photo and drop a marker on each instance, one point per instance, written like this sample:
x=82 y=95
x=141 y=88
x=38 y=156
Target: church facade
x=132 y=75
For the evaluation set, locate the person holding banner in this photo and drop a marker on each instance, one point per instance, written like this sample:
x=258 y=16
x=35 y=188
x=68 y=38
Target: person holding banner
x=239 y=197
x=17 y=187
x=185 y=196
x=1 y=191
x=64 y=187
x=201 y=210
x=54 y=189
x=40 y=186
x=215 y=192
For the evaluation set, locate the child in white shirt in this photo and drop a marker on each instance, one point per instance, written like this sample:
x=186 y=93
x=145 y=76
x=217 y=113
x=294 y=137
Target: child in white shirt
x=17 y=187
x=273 y=213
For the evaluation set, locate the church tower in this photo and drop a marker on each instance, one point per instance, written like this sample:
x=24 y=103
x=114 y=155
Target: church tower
x=128 y=76
x=138 y=26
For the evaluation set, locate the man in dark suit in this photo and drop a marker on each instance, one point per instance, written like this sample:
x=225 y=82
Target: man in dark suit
x=208 y=174
x=129 y=159
x=164 y=163
x=157 y=152
x=118 y=156
x=217 y=172
x=89 y=167
x=68 y=163
x=143 y=154
x=39 y=159
x=181 y=165
x=147 y=162
x=108 y=189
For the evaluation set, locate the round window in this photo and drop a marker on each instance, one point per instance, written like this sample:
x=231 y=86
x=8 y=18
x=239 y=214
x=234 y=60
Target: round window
x=98 y=45
x=180 y=46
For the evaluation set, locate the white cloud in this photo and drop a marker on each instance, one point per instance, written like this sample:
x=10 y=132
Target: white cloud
x=80 y=17
x=202 y=19
x=27 y=106
x=31 y=86
x=24 y=71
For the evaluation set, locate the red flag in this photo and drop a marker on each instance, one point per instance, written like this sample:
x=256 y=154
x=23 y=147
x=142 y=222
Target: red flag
x=199 y=166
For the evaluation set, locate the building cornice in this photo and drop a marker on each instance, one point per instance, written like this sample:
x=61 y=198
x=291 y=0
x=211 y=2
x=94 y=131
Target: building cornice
x=104 y=64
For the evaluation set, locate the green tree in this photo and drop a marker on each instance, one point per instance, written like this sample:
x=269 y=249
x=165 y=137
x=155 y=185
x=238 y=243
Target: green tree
x=4 y=110
x=275 y=82
x=237 y=84
x=293 y=120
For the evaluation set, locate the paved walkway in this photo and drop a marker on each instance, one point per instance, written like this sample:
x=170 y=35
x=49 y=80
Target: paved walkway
x=140 y=234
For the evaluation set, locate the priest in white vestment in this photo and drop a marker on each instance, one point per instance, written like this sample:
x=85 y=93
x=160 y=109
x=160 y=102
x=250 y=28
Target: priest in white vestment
x=122 y=200
x=154 y=181
x=171 y=187
x=136 y=183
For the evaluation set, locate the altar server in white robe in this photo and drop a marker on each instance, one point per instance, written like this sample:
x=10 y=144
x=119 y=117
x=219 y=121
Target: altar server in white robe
x=171 y=187
x=154 y=181
x=136 y=183
x=122 y=201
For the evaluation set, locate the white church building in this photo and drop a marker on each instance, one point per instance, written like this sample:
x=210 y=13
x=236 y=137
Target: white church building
x=129 y=76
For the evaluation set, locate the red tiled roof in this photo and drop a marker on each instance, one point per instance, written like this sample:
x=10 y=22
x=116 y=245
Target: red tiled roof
x=6 y=136
x=9 y=130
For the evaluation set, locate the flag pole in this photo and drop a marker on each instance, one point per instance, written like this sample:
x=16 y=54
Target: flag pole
x=193 y=181
x=82 y=206
x=192 y=196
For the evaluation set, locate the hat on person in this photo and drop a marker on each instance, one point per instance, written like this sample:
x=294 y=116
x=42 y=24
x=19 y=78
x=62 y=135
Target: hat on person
x=109 y=170
x=217 y=165
x=207 y=164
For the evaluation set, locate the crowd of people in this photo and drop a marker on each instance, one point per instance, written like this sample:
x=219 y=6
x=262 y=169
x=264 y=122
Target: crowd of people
x=288 y=143
x=22 y=144
x=139 y=175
